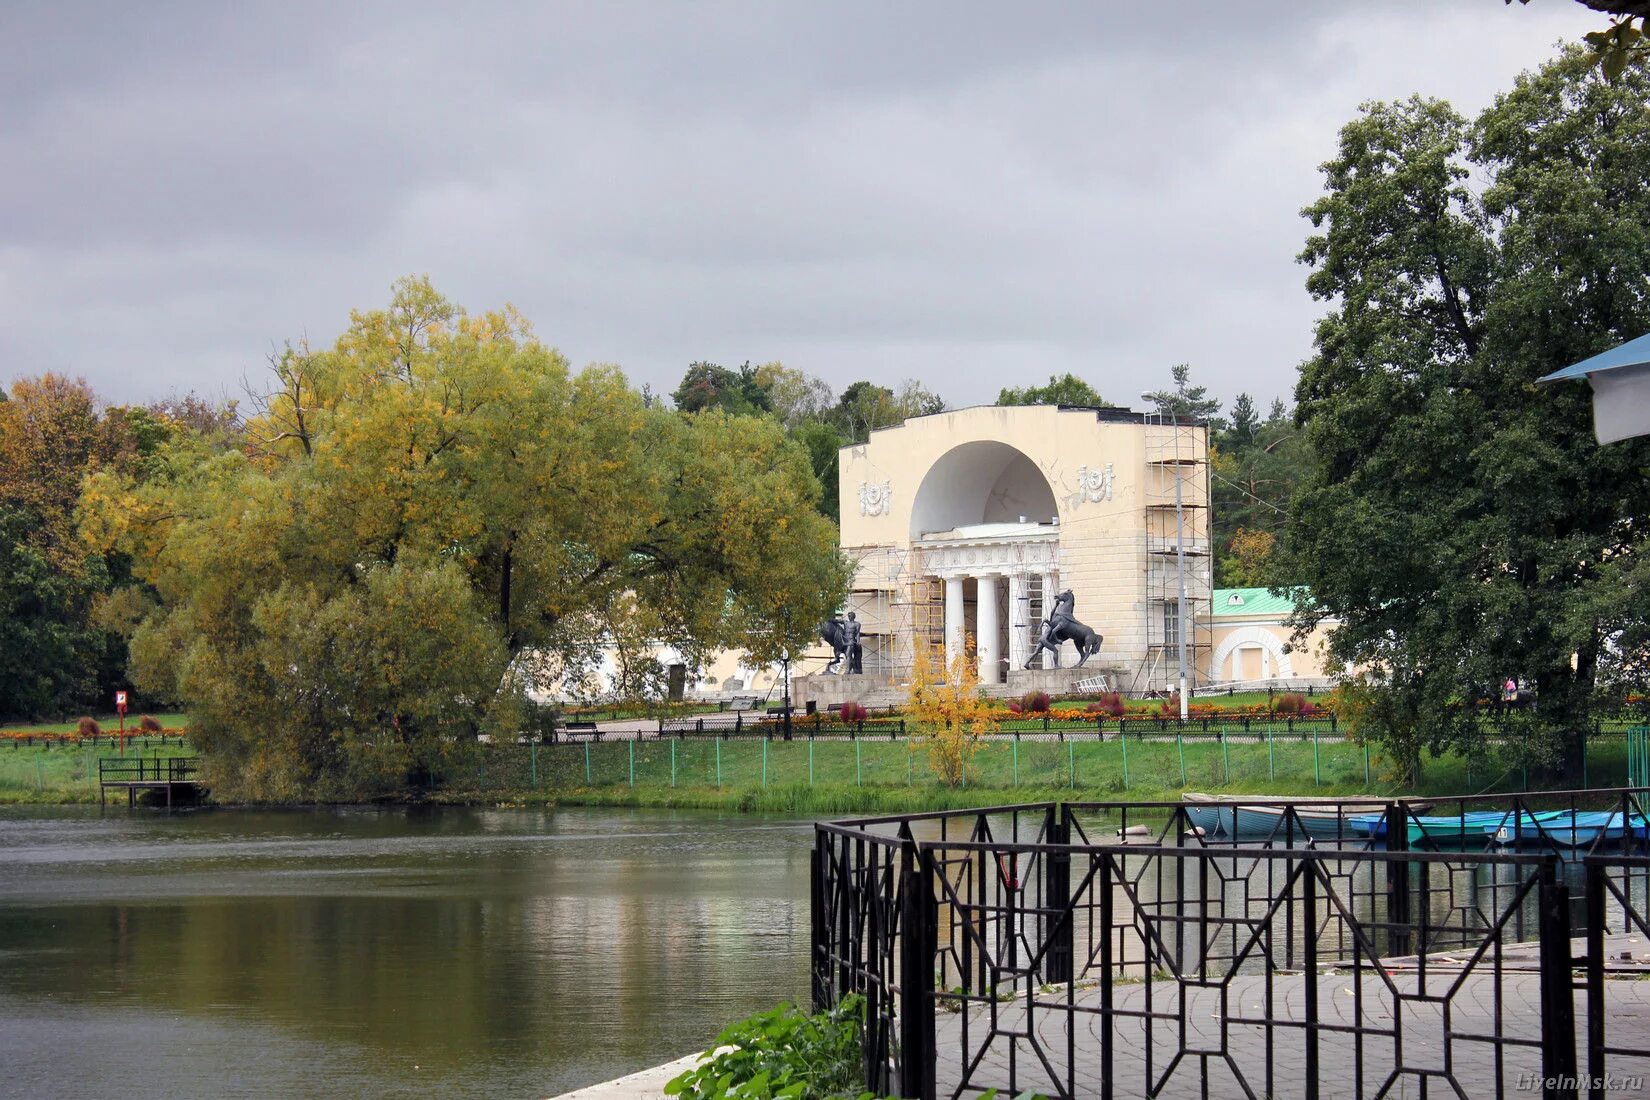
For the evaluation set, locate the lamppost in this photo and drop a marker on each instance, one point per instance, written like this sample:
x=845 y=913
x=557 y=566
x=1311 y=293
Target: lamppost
x=785 y=666
x=1180 y=561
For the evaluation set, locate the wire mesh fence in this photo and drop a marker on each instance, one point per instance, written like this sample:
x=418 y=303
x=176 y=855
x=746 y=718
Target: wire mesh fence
x=1149 y=759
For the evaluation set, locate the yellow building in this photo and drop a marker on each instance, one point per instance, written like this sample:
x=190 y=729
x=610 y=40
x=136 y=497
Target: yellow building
x=1251 y=644
x=967 y=523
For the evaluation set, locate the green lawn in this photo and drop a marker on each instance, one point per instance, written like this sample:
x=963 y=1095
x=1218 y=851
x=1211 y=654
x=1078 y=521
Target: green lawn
x=109 y=722
x=67 y=773
x=830 y=775
x=714 y=772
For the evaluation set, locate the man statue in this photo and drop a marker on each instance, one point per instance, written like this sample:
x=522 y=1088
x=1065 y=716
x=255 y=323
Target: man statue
x=851 y=636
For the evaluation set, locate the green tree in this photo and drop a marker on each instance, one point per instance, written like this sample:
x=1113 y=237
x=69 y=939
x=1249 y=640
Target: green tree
x=824 y=445
x=1621 y=43
x=1460 y=522
x=1245 y=422
x=439 y=493
x=1068 y=389
x=1254 y=470
x=1185 y=401
x=59 y=656
x=708 y=386
x=794 y=397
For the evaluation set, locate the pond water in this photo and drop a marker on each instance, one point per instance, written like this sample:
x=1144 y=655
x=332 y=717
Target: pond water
x=454 y=951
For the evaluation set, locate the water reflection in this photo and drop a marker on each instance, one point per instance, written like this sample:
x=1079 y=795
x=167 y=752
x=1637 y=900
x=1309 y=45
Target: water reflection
x=358 y=952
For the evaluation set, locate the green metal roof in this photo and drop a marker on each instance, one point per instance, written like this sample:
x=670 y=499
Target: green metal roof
x=1238 y=603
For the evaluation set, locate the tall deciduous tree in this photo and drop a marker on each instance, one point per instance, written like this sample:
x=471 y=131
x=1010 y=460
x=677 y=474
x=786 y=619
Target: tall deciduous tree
x=1068 y=389
x=1460 y=521
x=56 y=654
x=428 y=513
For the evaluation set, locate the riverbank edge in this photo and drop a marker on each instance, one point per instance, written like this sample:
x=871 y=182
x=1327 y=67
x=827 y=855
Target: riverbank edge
x=800 y=800
x=648 y=1082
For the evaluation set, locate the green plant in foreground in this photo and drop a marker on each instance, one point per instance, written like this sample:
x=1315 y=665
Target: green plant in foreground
x=782 y=1052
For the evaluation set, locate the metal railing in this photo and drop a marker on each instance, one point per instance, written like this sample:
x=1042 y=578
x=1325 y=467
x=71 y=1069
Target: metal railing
x=1110 y=949
x=173 y=769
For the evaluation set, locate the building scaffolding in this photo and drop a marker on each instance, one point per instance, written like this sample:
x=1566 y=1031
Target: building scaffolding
x=1179 y=554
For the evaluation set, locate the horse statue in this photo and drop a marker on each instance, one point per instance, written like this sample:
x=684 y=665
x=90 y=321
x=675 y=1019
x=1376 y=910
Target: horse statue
x=834 y=632
x=1060 y=626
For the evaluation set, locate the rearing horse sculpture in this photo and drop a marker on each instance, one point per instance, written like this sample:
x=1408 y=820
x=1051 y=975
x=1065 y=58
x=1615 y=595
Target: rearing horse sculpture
x=1060 y=626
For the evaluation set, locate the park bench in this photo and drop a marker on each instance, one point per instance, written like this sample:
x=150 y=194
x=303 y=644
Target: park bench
x=588 y=729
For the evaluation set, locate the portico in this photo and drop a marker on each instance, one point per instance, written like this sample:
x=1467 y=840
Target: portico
x=995 y=571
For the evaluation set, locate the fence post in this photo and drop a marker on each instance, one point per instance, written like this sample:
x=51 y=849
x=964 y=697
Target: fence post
x=1180 y=744
x=1106 y=964
x=1123 y=739
x=1558 y=1011
x=765 y=761
x=1057 y=898
x=1226 y=755
x=918 y=945
x=859 y=767
x=632 y=763
x=1595 y=970
x=1317 y=772
x=810 y=761
x=816 y=919
x=1016 y=747
x=1397 y=876
x=718 y=763
x=1366 y=767
x=673 y=759
x=1071 y=762
x=1271 y=760
x=1309 y=891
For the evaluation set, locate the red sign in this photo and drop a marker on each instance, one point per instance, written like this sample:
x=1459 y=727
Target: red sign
x=120 y=701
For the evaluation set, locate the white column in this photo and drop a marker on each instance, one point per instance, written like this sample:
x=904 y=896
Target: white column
x=1019 y=619
x=954 y=620
x=985 y=617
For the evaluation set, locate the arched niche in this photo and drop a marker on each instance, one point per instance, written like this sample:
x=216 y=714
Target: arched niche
x=981 y=482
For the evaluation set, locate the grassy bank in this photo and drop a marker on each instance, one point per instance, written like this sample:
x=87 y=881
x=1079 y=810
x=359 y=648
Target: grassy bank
x=60 y=774
x=838 y=775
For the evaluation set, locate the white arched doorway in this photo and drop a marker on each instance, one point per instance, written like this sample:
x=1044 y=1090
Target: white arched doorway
x=1274 y=658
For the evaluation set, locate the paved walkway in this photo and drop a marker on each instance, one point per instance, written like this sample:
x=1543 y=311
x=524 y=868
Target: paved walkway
x=1489 y=1042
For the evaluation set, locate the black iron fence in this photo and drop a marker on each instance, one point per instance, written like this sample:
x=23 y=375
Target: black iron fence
x=152 y=769
x=1119 y=949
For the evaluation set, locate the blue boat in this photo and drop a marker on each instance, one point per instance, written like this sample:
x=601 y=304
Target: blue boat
x=1569 y=828
x=1236 y=819
x=1473 y=829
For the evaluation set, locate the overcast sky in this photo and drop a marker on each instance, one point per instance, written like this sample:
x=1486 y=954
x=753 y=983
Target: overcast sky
x=974 y=195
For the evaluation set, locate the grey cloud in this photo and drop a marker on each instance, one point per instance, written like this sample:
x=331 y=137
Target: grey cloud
x=965 y=193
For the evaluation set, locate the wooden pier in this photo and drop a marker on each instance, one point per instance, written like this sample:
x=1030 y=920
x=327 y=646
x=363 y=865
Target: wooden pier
x=176 y=775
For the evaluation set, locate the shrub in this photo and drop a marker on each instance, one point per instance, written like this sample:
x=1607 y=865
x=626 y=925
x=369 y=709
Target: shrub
x=1035 y=702
x=1015 y=706
x=88 y=727
x=1110 y=703
x=782 y=1052
x=854 y=711
x=1291 y=704
x=149 y=724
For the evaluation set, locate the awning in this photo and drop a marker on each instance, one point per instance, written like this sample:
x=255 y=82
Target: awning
x=1621 y=389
